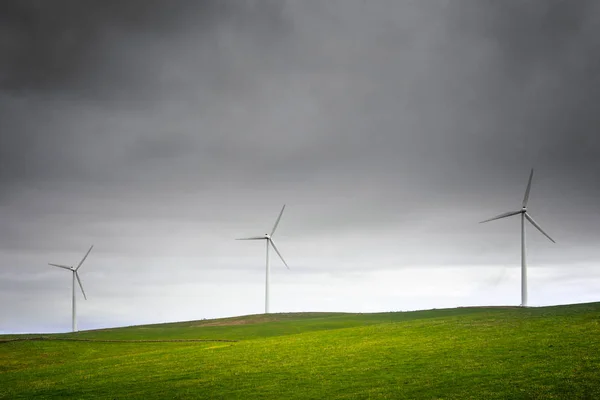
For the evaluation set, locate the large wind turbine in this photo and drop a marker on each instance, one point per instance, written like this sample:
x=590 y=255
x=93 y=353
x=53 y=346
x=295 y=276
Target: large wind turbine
x=269 y=241
x=524 y=216
x=75 y=276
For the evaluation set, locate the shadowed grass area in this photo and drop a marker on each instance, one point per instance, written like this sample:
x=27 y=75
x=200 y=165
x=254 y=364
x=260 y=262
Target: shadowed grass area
x=491 y=353
x=260 y=326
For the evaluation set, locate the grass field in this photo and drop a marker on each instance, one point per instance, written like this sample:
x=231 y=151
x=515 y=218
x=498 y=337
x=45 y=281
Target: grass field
x=463 y=353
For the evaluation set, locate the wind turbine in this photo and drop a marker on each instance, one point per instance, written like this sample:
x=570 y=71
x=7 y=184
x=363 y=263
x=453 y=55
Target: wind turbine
x=269 y=241
x=75 y=276
x=524 y=216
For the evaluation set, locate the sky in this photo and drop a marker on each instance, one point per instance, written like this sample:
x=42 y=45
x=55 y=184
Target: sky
x=159 y=131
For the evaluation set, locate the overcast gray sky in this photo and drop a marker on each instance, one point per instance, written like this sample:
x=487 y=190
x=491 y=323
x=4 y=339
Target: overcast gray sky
x=159 y=131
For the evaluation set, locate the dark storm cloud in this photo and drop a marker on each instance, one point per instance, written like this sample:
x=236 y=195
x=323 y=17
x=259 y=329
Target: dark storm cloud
x=50 y=45
x=55 y=45
x=418 y=105
x=71 y=70
x=486 y=87
x=543 y=82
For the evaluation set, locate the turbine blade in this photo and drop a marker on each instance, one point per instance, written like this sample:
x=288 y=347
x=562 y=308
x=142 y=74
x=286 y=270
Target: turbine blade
x=277 y=222
x=61 y=266
x=506 y=214
x=80 y=285
x=84 y=257
x=252 y=238
x=278 y=253
x=539 y=228
x=526 y=198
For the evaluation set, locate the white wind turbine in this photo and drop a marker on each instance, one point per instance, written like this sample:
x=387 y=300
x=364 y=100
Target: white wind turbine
x=75 y=276
x=524 y=215
x=269 y=241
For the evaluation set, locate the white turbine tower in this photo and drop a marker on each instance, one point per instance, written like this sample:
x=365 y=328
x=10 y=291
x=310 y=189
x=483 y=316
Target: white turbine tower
x=75 y=276
x=524 y=216
x=269 y=241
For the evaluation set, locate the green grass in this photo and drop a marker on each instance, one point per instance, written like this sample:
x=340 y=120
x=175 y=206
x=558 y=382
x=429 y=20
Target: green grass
x=463 y=353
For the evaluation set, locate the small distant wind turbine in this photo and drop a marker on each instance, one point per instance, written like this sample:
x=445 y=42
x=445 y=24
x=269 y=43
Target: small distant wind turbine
x=269 y=239
x=524 y=216
x=75 y=276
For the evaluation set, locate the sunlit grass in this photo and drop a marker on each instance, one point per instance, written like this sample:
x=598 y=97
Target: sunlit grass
x=539 y=353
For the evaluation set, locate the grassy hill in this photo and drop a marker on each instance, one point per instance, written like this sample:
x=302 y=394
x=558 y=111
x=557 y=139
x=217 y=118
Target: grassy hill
x=482 y=353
